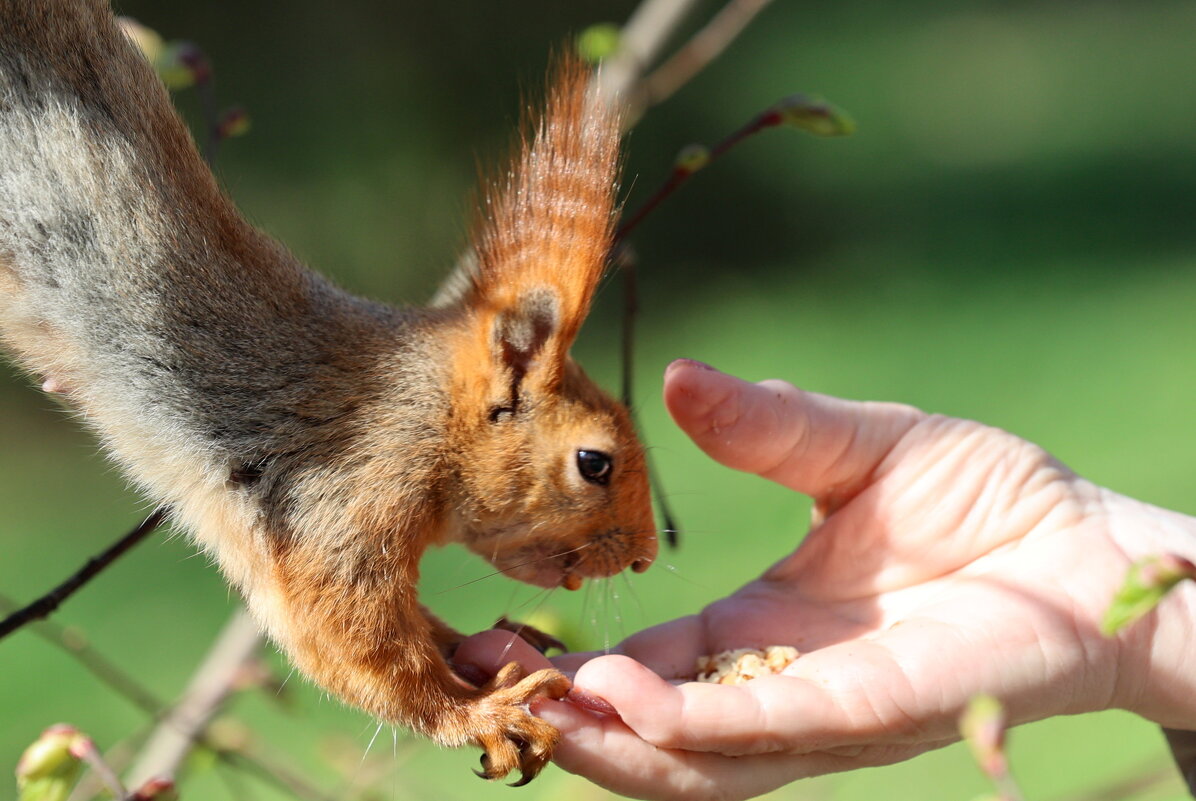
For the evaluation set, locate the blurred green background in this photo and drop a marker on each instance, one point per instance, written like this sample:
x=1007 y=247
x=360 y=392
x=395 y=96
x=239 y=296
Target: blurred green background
x=1007 y=237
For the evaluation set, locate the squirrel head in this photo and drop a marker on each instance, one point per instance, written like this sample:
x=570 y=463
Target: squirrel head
x=551 y=483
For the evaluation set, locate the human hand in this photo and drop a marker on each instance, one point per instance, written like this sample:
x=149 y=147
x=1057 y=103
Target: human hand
x=952 y=559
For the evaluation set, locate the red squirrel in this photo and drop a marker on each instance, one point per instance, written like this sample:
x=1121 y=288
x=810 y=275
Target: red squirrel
x=316 y=443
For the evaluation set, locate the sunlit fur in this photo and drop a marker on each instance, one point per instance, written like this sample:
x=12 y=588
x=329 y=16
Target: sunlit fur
x=314 y=442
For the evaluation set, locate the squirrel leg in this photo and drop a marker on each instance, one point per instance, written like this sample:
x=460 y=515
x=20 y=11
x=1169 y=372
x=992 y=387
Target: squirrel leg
x=377 y=649
x=497 y=719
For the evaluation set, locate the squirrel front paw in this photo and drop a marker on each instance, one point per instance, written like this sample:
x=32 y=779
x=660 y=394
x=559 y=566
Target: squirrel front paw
x=502 y=725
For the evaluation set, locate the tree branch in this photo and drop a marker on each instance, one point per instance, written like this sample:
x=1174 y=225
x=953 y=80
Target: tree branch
x=46 y=604
x=183 y=726
x=98 y=665
x=705 y=46
x=640 y=43
x=125 y=685
x=643 y=38
x=102 y=770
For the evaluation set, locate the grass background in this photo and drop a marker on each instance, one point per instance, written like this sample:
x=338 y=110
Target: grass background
x=1008 y=237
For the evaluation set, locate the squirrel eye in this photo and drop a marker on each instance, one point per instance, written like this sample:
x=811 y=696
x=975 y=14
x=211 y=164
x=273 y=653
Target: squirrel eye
x=594 y=466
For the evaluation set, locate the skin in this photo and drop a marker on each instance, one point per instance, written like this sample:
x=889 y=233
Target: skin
x=952 y=559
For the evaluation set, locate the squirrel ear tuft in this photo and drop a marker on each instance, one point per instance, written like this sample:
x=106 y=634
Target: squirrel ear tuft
x=546 y=226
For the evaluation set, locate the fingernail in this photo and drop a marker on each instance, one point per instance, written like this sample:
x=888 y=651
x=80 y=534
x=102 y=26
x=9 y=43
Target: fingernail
x=676 y=363
x=471 y=673
x=590 y=702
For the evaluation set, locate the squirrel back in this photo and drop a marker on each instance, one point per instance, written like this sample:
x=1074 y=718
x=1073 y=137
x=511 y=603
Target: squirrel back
x=315 y=442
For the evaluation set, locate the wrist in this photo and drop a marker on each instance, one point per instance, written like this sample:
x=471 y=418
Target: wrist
x=1157 y=652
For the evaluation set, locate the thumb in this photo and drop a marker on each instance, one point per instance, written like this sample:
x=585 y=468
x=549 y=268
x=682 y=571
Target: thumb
x=811 y=443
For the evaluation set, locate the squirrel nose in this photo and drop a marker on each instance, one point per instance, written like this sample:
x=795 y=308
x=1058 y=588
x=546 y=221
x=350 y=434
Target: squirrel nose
x=641 y=564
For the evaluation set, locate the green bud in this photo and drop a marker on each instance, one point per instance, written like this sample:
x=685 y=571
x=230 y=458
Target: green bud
x=233 y=122
x=147 y=39
x=1146 y=583
x=181 y=65
x=982 y=725
x=814 y=115
x=48 y=768
x=692 y=158
x=598 y=42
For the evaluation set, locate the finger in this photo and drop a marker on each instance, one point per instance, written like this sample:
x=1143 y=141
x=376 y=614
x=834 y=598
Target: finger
x=851 y=694
x=669 y=650
x=488 y=651
x=608 y=752
x=811 y=443
x=769 y=714
x=906 y=685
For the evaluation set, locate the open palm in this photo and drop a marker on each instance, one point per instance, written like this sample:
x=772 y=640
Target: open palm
x=951 y=559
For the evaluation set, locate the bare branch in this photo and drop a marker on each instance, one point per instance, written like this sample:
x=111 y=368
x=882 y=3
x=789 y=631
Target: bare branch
x=705 y=46
x=46 y=604
x=118 y=756
x=640 y=44
x=683 y=171
x=184 y=724
x=125 y=685
x=98 y=665
x=102 y=770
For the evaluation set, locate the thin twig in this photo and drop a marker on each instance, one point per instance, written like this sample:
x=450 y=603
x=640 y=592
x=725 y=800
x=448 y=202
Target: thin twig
x=210 y=685
x=619 y=81
x=127 y=687
x=98 y=665
x=625 y=261
x=46 y=604
x=211 y=118
x=627 y=265
x=1007 y=787
x=704 y=47
x=103 y=771
x=118 y=756
x=681 y=173
x=640 y=43
x=272 y=773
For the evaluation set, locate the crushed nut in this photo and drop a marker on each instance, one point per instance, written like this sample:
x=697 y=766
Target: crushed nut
x=745 y=664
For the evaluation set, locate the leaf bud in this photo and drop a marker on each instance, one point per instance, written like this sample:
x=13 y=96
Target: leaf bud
x=598 y=42
x=983 y=726
x=182 y=64
x=48 y=768
x=814 y=115
x=692 y=158
x=233 y=122
x=148 y=41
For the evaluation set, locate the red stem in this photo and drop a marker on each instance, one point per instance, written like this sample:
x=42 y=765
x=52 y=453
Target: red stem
x=680 y=175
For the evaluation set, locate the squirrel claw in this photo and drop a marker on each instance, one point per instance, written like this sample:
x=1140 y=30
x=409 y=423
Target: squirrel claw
x=537 y=639
x=524 y=779
x=514 y=738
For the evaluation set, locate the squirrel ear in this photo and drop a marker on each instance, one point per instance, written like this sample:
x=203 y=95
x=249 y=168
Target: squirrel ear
x=546 y=229
x=523 y=331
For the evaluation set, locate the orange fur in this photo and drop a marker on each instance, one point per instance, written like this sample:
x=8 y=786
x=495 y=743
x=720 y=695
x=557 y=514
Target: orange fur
x=317 y=443
x=550 y=223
